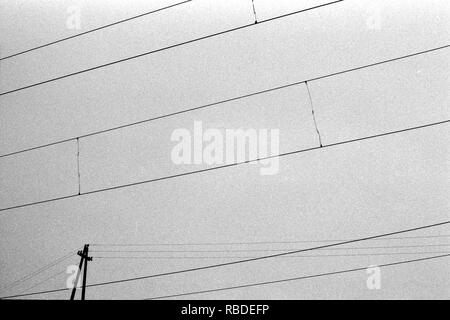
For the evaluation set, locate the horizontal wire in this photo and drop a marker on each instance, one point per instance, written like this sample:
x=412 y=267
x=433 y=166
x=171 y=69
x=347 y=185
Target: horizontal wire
x=92 y=30
x=296 y=278
x=247 y=257
x=223 y=101
x=248 y=243
x=268 y=250
x=163 y=49
x=221 y=166
x=219 y=265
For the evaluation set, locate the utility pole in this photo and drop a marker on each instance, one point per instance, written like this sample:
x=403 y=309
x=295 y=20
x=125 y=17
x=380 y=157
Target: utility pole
x=84 y=259
x=87 y=258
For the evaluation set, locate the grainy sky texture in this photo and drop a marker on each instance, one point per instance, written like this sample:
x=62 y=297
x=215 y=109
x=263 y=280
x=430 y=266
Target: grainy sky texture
x=345 y=191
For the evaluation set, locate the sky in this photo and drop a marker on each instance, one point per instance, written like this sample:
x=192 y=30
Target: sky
x=342 y=191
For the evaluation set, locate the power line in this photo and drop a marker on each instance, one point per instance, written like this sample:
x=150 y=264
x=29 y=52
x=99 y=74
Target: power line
x=313 y=114
x=247 y=257
x=43 y=281
x=226 y=100
x=273 y=255
x=35 y=293
x=93 y=30
x=37 y=271
x=250 y=242
x=296 y=278
x=218 y=265
x=254 y=11
x=164 y=48
x=220 y=167
x=267 y=250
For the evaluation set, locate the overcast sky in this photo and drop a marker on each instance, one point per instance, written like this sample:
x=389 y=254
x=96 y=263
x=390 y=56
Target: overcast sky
x=345 y=191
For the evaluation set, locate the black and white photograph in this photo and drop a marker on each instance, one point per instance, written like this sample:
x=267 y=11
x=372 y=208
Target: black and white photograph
x=233 y=151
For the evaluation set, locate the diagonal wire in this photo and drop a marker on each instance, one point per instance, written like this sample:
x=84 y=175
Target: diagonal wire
x=224 y=166
x=298 y=278
x=163 y=49
x=92 y=30
x=227 y=100
x=43 y=281
x=37 y=271
x=218 y=265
